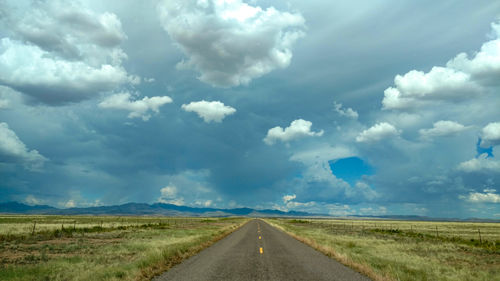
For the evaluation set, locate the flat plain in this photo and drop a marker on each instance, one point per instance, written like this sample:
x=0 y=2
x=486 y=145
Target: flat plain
x=139 y=248
x=102 y=248
x=405 y=250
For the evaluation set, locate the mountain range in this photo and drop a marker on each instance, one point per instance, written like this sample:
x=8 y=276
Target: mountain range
x=162 y=209
x=145 y=209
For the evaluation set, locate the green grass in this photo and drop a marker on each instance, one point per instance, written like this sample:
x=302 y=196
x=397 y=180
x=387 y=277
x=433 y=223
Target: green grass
x=123 y=248
x=404 y=250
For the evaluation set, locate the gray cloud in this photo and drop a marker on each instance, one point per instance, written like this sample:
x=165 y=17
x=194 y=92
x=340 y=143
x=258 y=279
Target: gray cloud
x=460 y=79
x=230 y=42
x=443 y=128
x=491 y=134
x=59 y=52
x=347 y=112
x=137 y=108
x=12 y=149
x=480 y=164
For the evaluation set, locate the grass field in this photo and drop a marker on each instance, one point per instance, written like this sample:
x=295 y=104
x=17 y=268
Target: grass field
x=405 y=250
x=101 y=248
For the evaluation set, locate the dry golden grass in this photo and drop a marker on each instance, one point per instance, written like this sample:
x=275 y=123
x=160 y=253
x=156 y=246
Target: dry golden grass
x=387 y=253
x=135 y=248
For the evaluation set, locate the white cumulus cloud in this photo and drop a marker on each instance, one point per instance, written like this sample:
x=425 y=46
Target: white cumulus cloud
x=12 y=149
x=230 y=42
x=288 y=198
x=443 y=128
x=168 y=191
x=210 y=111
x=490 y=134
x=347 y=112
x=378 y=132
x=298 y=129
x=462 y=78
x=169 y=196
x=59 y=51
x=137 y=108
x=484 y=66
x=487 y=196
x=416 y=87
x=480 y=164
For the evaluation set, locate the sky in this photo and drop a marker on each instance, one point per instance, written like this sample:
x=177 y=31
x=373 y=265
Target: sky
x=380 y=107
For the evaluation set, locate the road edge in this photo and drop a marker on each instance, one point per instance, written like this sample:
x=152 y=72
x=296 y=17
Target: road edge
x=364 y=269
x=158 y=269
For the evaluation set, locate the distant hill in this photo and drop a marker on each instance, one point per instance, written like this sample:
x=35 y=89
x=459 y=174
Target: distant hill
x=161 y=209
x=19 y=208
x=145 y=209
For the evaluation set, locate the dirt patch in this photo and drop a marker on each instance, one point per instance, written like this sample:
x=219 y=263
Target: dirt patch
x=40 y=251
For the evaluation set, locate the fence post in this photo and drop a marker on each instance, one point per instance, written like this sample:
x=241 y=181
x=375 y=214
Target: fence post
x=74 y=225
x=480 y=239
x=437 y=233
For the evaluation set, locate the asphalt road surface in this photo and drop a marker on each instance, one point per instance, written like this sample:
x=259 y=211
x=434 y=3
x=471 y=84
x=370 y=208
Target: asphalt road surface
x=258 y=251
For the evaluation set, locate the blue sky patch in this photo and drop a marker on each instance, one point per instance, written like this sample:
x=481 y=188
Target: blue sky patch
x=481 y=150
x=350 y=169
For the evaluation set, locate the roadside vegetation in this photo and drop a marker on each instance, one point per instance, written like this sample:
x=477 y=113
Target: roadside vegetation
x=102 y=248
x=405 y=250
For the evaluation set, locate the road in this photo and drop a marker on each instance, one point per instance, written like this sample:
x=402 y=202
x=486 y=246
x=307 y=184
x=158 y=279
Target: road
x=258 y=251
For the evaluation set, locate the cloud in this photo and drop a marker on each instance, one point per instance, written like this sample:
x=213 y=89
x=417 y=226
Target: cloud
x=369 y=211
x=169 y=196
x=230 y=42
x=204 y=203
x=168 y=191
x=484 y=67
x=443 y=128
x=137 y=108
x=12 y=149
x=416 y=87
x=321 y=154
x=70 y=204
x=347 y=112
x=189 y=187
x=340 y=210
x=480 y=164
x=490 y=135
x=60 y=52
x=32 y=200
x=489 y=196
x=4 y=103
x=363 y=189
x=298 y=129
x=288 y=198
x=462 y=78
x=377 y=132
x=214 y=111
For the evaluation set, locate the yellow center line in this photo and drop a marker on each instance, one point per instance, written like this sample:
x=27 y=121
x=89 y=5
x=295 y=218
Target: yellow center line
x=261 y=250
